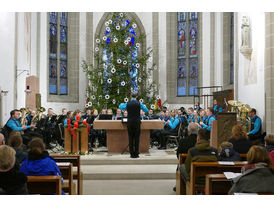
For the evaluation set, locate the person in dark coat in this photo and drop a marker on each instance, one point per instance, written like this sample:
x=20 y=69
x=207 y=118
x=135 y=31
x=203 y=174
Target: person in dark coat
x=269 y=146
x=133 y=123
x=227 y=153
x=16 y=141
x=239 y=139
x=257 y=176
x=188 y=142
x=12 y=182
x=201 y=152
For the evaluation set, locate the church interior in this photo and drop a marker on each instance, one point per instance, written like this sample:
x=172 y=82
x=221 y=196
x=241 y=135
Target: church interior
x=202 y=81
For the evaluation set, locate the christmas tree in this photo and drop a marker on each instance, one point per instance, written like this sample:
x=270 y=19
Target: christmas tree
x=120 y=67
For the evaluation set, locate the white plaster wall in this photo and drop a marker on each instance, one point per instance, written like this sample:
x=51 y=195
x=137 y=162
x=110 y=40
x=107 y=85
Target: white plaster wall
x=162 y=55
x=253 y=94
x=218 y=61
x=33 y=70
x=206 y=51
x=7 y=35
x=22 y=63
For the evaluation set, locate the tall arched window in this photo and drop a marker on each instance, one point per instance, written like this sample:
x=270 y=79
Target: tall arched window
x=133 y=34
x=58 y=40
x=188 y=53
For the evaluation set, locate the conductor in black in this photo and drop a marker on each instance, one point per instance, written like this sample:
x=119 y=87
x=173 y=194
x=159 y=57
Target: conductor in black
x=133 y=108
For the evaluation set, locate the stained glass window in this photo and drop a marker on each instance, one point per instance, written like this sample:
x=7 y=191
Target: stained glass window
x=231 y=70
x=63 y=52
x=53 y=52
x=58 y=37
x=188 y=67
x=52 y=76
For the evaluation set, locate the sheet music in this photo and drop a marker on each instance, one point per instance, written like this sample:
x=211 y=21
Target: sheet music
x=231 y=175
x=226 y=163
x=62 y=163
x=245 y=193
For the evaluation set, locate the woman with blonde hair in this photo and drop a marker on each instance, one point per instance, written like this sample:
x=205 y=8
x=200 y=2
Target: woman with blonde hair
x=12 y=182
x=257 y=176
x=239 y=139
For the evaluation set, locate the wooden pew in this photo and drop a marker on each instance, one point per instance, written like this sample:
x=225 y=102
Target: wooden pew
x=67 y=174
x=44 y=185
x=201 y=169
x=217 y=184
x=78 y=175
x=179 y=182
x=179 y=185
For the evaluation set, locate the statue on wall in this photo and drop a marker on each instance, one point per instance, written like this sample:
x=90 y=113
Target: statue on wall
x=245 y=32
x=246 y=49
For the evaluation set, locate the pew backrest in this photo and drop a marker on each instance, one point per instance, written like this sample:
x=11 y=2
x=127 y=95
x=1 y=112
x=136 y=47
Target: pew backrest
x=44 y=185
x=201 y=169
x=75 y=160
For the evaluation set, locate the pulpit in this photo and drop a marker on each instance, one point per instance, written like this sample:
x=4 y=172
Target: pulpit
x=78 y=143
x=221 y=129
x=117 y=134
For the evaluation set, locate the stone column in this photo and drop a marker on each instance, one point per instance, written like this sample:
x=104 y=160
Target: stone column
x=269 y=71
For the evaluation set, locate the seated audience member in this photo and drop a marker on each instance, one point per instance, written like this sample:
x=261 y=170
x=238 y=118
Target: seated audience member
x=2 y=139
x=269 y=146
x=12 y=182
x=241 y=143
x=190 y=114
x=171 y=128
x=256 y=126
x=201 y=152
x=227 y=153
x=210 y=118
x=38 y=161
x=125 y=113
x=186 y=143
x=16 y=141
x=257 y=176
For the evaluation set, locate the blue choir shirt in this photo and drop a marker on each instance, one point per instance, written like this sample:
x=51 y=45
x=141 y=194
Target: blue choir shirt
x=14 y=124
x=173 y=123
x=220 y=108
x=210 y=119
x=257 y=125
x=123 y=106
